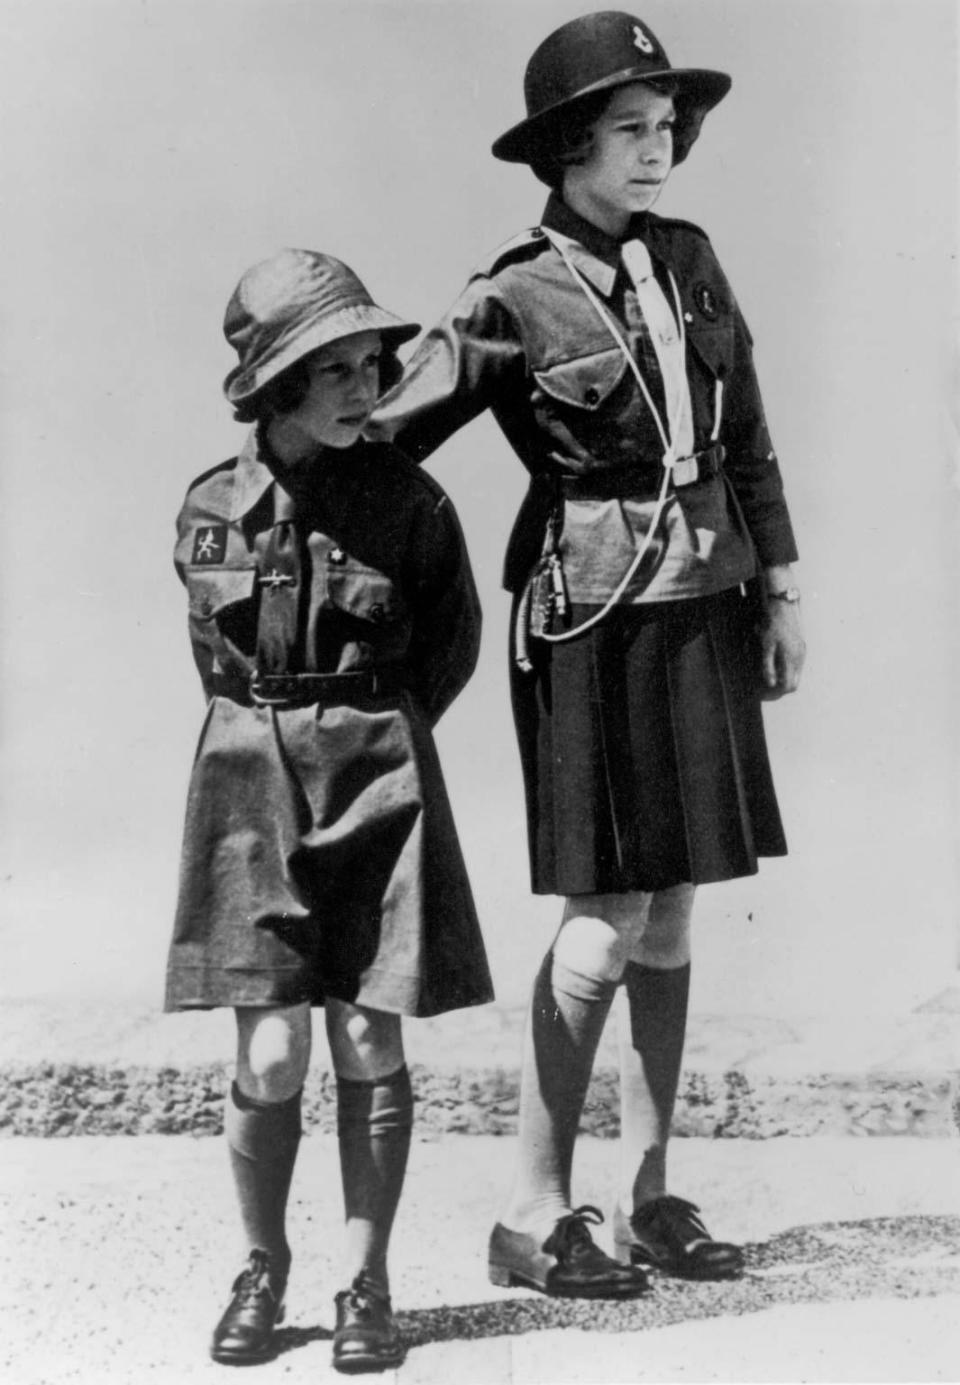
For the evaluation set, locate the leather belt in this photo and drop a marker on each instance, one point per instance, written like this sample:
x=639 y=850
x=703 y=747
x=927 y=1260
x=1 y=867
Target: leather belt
x=328 y=689
x=611 y=483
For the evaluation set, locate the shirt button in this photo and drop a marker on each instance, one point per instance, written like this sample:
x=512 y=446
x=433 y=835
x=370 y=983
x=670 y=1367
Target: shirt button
x=376 y=613
x=592 y=395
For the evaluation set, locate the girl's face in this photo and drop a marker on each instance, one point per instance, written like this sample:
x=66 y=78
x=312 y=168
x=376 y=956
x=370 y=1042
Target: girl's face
x=630 y=157
x=344 y=385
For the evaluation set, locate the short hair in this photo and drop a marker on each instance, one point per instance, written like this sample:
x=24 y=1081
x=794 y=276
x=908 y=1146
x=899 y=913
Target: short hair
x=567 y=138
x=286 y=392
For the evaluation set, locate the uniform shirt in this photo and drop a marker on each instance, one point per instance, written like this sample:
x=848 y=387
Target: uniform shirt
x=524 y=341
x=385 y=570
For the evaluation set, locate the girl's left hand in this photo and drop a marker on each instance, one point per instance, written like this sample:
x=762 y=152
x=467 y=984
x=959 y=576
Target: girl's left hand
x=783 y=650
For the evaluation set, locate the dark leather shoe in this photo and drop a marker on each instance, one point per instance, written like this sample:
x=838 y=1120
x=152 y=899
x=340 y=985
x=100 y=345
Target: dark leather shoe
x=365 y=1338
x=567 y=1265
x=668 y=1234
x=245 y=1332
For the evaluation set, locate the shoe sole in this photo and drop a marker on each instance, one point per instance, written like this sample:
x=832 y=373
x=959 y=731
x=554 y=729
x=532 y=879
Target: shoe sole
x=354 y=1365
x=505 y=1278
x=245 y=1358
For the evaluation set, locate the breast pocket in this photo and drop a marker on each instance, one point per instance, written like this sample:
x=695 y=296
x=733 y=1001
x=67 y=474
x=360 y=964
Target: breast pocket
x=210 y=591
x=710 y=359
x=585 y=383
x=713 y=348
x=373 y=613
x=222 y=619
x=591 y=410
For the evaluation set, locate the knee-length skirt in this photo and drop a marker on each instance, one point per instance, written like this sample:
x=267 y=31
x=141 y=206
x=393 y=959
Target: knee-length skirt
x=643 y=751
x=320 y=858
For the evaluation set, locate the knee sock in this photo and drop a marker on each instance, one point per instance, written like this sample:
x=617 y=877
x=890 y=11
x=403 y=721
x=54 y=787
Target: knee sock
x=651 y=1052
x=374 y=1120
x=263 y=1140
x=567 y=1016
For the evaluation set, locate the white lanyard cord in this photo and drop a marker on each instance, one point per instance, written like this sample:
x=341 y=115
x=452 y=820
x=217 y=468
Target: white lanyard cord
x=717 y=408
x=668 y=456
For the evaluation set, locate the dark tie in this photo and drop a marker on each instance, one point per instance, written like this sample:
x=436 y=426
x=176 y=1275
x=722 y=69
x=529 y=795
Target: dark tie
x=280 y=581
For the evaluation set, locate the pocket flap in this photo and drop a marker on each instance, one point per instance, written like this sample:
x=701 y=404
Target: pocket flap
x=364 y=593
x=714 y=346
x=211 y=589
x=585 y=382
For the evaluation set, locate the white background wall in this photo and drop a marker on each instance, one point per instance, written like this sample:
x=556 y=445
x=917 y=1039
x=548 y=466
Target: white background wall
x=153 y=150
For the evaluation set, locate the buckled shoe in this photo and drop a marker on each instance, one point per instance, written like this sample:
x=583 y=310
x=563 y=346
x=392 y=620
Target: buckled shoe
x=365 y=1337
x=668 y=1234
x=245 y=1332
x=568 y=1264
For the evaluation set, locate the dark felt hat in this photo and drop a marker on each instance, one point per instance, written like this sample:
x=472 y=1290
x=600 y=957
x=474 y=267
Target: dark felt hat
x=597 y=53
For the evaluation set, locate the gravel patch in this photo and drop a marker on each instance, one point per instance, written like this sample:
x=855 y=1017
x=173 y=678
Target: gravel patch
x=62 y=1099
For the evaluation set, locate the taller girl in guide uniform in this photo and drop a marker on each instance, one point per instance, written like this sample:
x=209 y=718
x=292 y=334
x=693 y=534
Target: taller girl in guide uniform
x=610 y=349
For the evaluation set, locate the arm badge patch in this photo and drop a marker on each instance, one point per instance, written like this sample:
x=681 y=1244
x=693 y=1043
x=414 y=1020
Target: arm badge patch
x=706 y=301
x=209 y=544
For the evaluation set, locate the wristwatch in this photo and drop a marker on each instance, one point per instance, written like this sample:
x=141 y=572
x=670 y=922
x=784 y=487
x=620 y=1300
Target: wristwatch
x=788 y=594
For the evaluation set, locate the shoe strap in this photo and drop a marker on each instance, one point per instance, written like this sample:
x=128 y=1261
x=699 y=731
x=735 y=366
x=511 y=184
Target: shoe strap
x=585 y=1214
x=358 y=1296
x=254 y=1280
x=572 y=1231
x=676 y=1216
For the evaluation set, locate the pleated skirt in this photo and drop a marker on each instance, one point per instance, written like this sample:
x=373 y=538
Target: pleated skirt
x=643 y=751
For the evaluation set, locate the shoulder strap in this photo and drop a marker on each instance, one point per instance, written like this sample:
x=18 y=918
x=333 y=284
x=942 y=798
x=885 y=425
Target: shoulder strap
x=518 y=247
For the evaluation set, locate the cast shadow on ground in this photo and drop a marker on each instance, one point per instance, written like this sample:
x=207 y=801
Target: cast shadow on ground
x=294 y=1338
x=903 y=1257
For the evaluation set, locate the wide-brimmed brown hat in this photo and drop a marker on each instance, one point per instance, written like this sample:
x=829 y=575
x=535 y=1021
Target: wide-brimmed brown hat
x=596 y=53
x=291 y=304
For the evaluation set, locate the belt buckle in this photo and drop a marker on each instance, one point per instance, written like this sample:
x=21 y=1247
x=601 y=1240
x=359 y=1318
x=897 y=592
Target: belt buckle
x=283 y=698
x=685 y=471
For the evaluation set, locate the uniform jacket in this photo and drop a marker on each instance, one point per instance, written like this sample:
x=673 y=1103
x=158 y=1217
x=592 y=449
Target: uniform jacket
x=523 y=341
x=320 y=856
x=389 y=576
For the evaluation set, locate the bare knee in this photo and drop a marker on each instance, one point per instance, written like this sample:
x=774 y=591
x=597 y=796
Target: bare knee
x=365 y=1044
x=598 y=932
x=665 y=942
x=273 y=1051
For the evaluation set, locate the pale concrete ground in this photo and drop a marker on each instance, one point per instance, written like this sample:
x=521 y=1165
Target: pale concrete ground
x=130 y=1033
x=117 y=1256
